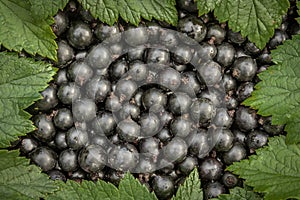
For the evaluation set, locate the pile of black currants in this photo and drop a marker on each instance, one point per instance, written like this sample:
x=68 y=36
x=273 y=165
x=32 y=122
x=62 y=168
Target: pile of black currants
x=155 y=100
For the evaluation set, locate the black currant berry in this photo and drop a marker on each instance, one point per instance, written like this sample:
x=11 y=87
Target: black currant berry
x=76 y=138
x=123 y=157
x=244 y=69
x=68 y=160
x=45 y=128
x=44 y=157
x=63 y=119
x=245 y=119
x=69 y=92
x=49 y=99
x=92 y=158
x=210 y=169
x=175 y=150
x=84 y=110
x=129 y=130
x=80 y=35
x=199 y=143
x=235 y=154
x=193 y=27
x=163 y=186
x=213 y=190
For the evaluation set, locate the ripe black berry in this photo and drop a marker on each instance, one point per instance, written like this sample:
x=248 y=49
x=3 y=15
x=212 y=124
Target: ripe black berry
x=63 y=119
x=44 y=157
x=45 y=128
x=210 y=169
x=244 y=69
x=163 y=186
x=68 y=160
x=175 y=150
x=92 y=158
x=76 y=138
x=80 y=35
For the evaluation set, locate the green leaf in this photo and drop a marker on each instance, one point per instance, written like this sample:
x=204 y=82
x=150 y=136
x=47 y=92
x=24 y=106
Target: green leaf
x=129 y=188
x=205 y=6
x=21 y=79
x=132 y=10
x=19 y=180
x=278 y=93
x=275 y=170
x=255 y=19
x=238 y=193
x=191 y=188
x=21 y=30
x=85 y=190
x=46 y=8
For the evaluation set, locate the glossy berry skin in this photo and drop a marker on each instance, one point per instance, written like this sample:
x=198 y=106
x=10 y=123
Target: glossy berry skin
x=150 y=124
x=98 y=88
x=80 y=35
x=199 y=143
x=235 y=154
x=63 y=119
x=169 y=78
x=123 y=157
x=28 y=145
x=182 y=54
x=99 y=57
x=164 y=135
x=256 y=139
x=188 y=165
x=113 y=103
x=125 y=89
x=187 y=5
x=158 y=56
x=216 y=33
x=138 y=71
x=226 y=54
x=60 y=77
x=244 y=91
x=163 y=186
x=79 y=72
x=189 y=84
x=222 y=119
x=229 y=180
x=60 y=140
x=213 y=190
x=181 y=127
x=65 y=53
x=179 y=103
x=153 y=97
x=202 y=110
x=118 y=69
x=210 y=169
x=235 y=37
x=244 y=69
x=225 y=140
x=278 y=38
x=175 y=150
x=56 y=175
x=271 y=129
x=210 y=73
x=45 y=128
x=92 y=158
x=68 y=160
x=193 y=27
x=84 y=110
x=129 y=130
x=44 y=157
x=104 y=123
x=135 y=54
x=129 y=110
x=245 y=119
x=61 y=22
x=49 y=99
x=136 y=36
x=251 y=49
x=69 y=92
x=104 y=31
x=149 y=147
x=76 y=138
